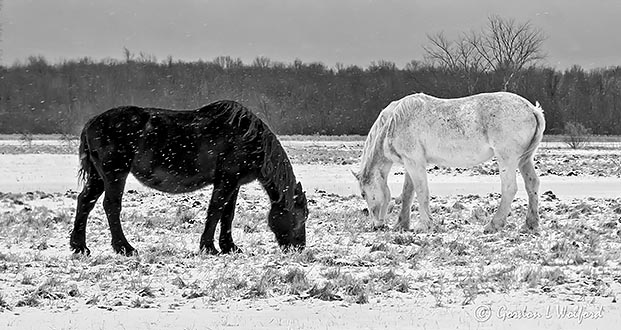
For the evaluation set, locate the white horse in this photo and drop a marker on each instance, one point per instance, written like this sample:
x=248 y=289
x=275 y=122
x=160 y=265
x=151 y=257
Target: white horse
x=420 y=129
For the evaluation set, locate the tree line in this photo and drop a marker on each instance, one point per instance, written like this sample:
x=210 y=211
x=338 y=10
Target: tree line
x=310 y=98
x=294 y=98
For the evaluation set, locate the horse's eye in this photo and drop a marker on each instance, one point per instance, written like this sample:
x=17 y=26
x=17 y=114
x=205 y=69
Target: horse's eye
x=364 y=195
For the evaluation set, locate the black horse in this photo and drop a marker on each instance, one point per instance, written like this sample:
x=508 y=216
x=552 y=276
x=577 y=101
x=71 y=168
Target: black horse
x=222 y=143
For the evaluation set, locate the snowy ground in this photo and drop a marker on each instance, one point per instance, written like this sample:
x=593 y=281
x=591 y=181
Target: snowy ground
x=349 y=277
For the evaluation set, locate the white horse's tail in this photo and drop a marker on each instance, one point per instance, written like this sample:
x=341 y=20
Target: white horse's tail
x=534 y=142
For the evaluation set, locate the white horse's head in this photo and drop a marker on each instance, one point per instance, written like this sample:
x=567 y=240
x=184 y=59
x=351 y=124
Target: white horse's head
x=375 y=192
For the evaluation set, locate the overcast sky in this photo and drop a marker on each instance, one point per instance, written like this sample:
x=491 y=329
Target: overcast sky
x=587 y=33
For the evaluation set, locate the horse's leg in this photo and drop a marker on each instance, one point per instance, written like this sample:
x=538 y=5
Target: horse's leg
x=418 y=174
x=93 y=188
x=114 y=186
x=531 y=183
x=508 y=190
x=226 y=239
x=223 y=189
x=406 y=203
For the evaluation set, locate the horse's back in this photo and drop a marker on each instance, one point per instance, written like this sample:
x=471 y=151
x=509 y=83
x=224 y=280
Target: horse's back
x=115 y=130
x=475 y=110
x=158 y=128
x=508 y=120
x=174 y=150
x=462 y=131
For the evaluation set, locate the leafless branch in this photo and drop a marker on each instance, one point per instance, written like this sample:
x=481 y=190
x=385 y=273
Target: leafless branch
x=503 y=46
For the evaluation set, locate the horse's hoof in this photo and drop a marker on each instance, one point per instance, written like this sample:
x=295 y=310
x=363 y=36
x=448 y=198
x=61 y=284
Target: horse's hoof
x=380 y=228
x=209 y=250
x=402 y=225
x=399 y=227
x=80 y=250
x=231 y=249
x=292 y=248
x=489 y=229
x=529 y=230
x=126 y=250
x=420 y=229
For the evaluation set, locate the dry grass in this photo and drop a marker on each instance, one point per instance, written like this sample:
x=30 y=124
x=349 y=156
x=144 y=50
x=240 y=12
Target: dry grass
x=576 y=254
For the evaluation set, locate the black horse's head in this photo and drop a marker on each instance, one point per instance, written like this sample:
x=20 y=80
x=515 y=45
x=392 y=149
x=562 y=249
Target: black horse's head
x=289 y=223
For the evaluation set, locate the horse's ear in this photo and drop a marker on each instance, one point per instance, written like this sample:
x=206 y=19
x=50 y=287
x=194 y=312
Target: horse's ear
x=298 y=188
x=299 y=196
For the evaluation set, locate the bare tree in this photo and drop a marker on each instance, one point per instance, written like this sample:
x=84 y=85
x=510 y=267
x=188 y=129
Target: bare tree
x=504 y=46
x=228 y=62
x=129 y=56
x=577 y=135
x=413 y=65
x=441 y=51
x=508 y=47
x=458 y=56
x=261 y=62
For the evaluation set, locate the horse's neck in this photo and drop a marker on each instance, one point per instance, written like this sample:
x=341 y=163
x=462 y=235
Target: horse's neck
x=278 y=194
x=277 y=175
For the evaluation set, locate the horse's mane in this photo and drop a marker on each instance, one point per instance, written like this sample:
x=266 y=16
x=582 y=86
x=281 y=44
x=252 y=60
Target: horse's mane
x=236 y=114
x=383 y=126
x=386 y=124
x=276 y=168
x=377 y=132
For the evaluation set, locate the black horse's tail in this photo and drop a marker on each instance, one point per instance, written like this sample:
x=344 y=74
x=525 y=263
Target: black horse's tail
x=86 y=165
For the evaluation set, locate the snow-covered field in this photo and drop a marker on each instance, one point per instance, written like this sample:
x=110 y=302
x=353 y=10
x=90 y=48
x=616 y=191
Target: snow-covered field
x=348 y=277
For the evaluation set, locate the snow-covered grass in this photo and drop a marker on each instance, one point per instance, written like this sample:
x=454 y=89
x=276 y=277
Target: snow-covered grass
x=574 y=259
x=575 y=255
